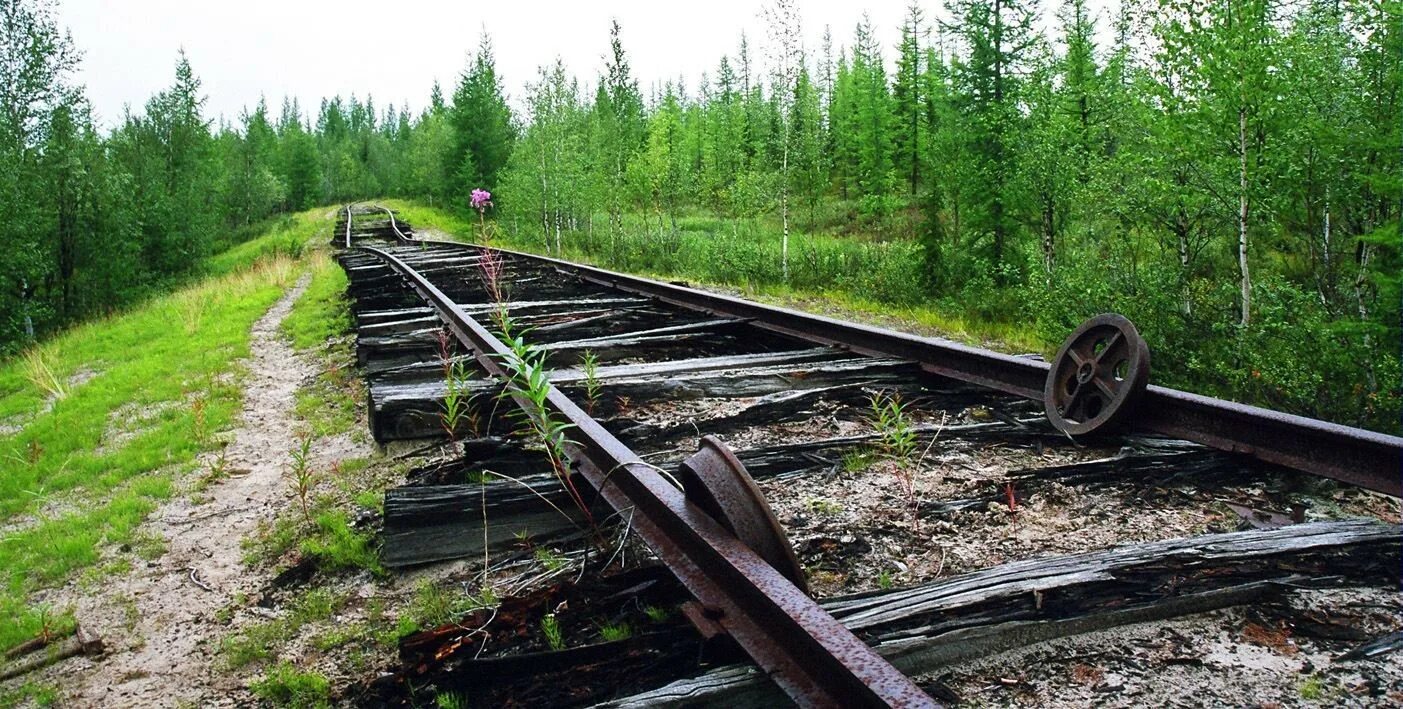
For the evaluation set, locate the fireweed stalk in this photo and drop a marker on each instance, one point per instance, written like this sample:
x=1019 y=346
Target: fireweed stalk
x=492 y=269
x=528 y=377
x=481 y=200
x=457 y=404
x=529 y=381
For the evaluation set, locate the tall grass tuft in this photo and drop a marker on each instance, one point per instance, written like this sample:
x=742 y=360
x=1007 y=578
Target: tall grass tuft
x=39 y=364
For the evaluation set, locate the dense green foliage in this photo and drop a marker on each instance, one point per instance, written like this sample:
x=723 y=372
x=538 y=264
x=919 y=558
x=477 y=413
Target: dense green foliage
x=1226 y=172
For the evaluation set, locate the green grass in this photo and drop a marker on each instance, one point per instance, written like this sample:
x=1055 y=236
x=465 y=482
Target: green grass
x=434 y=604
x=287 y=686
x=337 y=547
x=286 y=236
x=328 y=403
x=146 y=392
x=613 y=632
x=322 y=312
x=42 y=695
x=847 y=276
x=329 y=541
x=261 y=641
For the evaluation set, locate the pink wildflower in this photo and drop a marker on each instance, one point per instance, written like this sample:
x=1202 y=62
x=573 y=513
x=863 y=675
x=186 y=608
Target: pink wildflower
x=481 y=199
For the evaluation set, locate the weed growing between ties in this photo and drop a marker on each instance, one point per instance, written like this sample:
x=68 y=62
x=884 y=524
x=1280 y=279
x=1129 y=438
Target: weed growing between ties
x=550 y=629
x=589 y=365
x=529 y=382
x=898 y=443
x=458 y=413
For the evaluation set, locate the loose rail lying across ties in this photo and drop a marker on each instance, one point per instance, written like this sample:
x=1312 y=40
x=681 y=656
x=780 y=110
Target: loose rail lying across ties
x=809 y=654
x=1370 y=460
x=813 y=657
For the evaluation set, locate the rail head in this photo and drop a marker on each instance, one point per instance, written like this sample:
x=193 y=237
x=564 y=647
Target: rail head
x=348 y=224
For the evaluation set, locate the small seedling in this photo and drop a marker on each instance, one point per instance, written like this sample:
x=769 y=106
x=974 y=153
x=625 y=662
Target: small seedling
x=1312 y=688
x=856 y=461
x=889 y=418
x=610 y=632
x=549 y=558
x=451 y=701
x=884 y=580
x=898 y=442
x=589 y=363
x=302 y=473
x=550 y=627
x=656 y=613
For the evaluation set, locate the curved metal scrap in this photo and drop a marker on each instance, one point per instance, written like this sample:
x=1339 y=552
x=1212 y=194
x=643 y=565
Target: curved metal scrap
x=715 y=480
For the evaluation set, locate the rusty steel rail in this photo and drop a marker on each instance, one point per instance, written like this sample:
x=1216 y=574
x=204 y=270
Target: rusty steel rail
x=1368 y=459
x=810 y=655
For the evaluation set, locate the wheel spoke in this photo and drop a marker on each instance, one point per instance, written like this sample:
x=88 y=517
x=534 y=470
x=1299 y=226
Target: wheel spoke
x=1077 y=357
x=1117 y=340
x=1074 y=403
x=1106 y=389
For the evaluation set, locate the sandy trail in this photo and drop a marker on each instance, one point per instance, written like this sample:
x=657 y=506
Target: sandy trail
x=159 y=622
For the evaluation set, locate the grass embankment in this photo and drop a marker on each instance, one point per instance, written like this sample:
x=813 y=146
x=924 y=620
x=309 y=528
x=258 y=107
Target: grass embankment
x=98 y=424
x=843 y=276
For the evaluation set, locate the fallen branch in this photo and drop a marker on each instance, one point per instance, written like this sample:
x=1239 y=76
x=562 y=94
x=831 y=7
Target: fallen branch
x=82 y=642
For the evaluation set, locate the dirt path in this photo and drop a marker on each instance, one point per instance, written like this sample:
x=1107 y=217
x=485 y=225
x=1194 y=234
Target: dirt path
x=163 y=638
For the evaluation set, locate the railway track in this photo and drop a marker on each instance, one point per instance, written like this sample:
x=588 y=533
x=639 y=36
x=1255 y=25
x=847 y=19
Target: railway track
x=577 y=398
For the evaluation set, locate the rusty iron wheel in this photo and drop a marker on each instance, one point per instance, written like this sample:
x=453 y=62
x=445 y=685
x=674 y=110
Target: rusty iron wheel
x=714 y=479
x=1097 y=377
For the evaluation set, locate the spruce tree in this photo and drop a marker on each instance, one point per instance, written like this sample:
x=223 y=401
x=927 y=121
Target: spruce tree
x=482 y=125
x=997 y=35
x=907 y=101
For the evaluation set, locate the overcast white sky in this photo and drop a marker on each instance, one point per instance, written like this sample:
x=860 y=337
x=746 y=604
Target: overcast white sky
x=395 y=50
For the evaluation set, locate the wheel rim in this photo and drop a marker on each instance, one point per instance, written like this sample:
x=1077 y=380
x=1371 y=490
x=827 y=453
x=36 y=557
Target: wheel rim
x=1097 y=377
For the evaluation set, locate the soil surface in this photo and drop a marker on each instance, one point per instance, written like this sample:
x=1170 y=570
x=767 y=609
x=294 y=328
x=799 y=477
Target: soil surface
x=159 y=622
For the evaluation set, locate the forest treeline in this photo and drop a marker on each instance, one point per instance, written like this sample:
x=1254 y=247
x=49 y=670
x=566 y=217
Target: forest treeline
x=1228 y=173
